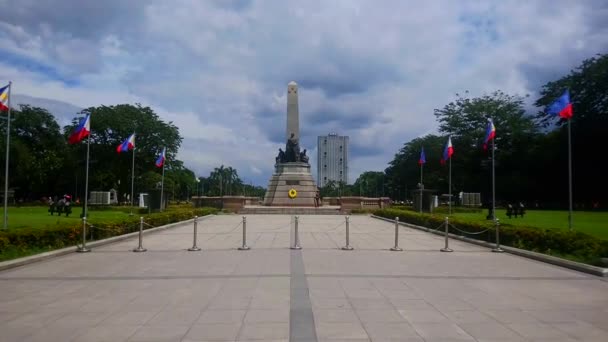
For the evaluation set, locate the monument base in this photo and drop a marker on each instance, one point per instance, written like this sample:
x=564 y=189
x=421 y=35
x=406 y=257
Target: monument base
x=288 y=176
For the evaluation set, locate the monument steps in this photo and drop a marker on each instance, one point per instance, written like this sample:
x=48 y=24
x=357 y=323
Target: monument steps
x=257 y=210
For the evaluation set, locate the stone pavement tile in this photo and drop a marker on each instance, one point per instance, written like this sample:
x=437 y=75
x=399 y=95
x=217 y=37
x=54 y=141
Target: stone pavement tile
x=264 y=331
x=175 y=317
x=511 y=316
x=80 y=319
x=221 y=316
x=552 y=316
x=7 y=316
x=407 y=304
x=329 y=303
x=55 y=333
x=267 y=316
x=335 y=316
x=582 y=331
x=445 y=331
x=489 y=331
x=370 y=303
x=386 y=316
x=345 y=331
x=107 y=333
x=215 y=331
x=423 y=316
x=229 y=303
x=270 y=302
x=129 y=318
x=364 y=293
x=103 y=305
x=38 y=318
x=327 y=292
x=537 y=331
x=341 y=340
x=159 y=333
x=392 y=331
x=400 y=294
x=466 y=316
x=451 y=304
x=12 y=333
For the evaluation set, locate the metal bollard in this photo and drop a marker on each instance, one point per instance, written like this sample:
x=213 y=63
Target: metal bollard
x=348 y=247
x=296 y=243
x=497 y=249
x=83 y=248
x=194 y=247
x=244 y=247
x=396 y=248
x=447 y=226
x=140 y=248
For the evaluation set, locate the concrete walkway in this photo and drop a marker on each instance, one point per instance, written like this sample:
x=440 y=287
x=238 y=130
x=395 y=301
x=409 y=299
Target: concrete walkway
x=320 y=293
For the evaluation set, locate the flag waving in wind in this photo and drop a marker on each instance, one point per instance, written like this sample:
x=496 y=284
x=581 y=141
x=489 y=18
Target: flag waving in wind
x=127 y=145
x=81 y=131
x=422 y=159
x=4 y=97
x=161 y=158
x=562 y=106
x=490 y=134
x=447 y=152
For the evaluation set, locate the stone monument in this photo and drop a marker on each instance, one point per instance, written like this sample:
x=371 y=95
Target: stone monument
x=292 y=184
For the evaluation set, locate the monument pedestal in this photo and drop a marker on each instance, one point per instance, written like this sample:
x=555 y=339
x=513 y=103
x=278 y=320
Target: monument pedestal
x=287 y=176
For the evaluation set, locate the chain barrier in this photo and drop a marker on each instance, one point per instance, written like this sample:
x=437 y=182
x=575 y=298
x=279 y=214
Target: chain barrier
x=470 y=233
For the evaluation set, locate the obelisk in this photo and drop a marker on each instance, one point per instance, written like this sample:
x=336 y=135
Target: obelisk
x=293 y=114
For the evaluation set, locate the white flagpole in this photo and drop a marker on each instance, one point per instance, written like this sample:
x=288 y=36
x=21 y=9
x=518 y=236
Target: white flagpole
x=450 y=188
x=421 y=167
x=569 y=175
x=86 y=179
x=132 y=180
x=162 y=186
x=493 y=184
x=8 y=138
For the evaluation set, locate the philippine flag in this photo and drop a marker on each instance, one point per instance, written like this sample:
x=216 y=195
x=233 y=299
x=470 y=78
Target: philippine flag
x=81 y=131
x=127 y=145
x=422 y=159
x=4 y=97
x=448 y=151
x=562 y=106
x=490 y=134
x=161 y=158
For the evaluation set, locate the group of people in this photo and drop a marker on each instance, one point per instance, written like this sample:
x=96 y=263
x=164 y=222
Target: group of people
x=60 y=206
x=516 y=210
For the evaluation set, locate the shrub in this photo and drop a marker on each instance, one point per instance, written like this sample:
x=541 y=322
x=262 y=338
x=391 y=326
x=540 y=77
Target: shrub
x=25 y=240
x=568 y=244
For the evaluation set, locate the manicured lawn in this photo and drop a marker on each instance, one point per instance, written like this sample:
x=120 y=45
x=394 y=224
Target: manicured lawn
x=592 y=223
x=39 y=217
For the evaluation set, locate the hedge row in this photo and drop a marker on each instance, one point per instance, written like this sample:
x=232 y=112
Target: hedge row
x=571 y=245
x=17 y=242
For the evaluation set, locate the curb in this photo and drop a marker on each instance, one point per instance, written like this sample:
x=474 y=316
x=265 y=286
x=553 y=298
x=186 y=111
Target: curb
x=573 y=265
x=5 y=265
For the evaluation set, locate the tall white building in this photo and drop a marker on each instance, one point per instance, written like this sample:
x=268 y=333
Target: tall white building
x=332 y=159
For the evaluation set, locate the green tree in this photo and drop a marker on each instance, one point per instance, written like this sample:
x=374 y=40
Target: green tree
x=588 y=86
x=370 y=184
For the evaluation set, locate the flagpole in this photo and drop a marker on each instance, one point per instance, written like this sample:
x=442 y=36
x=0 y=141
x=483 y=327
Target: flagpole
x=8 y=138
x=493 y=184
x=162 y=185
x=86 y=179
x=569 y=175
x=132 y=179
x=450 y=188
x=421 y=167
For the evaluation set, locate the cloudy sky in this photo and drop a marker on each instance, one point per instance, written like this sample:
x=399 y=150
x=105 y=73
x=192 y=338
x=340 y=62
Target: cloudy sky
x=373 y=70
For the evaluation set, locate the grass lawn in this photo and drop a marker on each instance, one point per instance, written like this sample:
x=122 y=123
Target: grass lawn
x=592 y=223
x=39 y=217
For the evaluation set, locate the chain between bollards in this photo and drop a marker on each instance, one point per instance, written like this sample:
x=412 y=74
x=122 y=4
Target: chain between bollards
x=396 y=248
x=140 y=248
x=447 y=226
x=194 y=247
x=83 y=248
x=296 y=242
x=347 y=247
x=497 y=249
x=244 y=247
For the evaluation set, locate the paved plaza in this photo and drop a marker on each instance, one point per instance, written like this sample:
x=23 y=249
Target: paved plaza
x=320 y=293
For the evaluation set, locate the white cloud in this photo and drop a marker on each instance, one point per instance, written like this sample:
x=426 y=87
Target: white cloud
x=371 y=70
